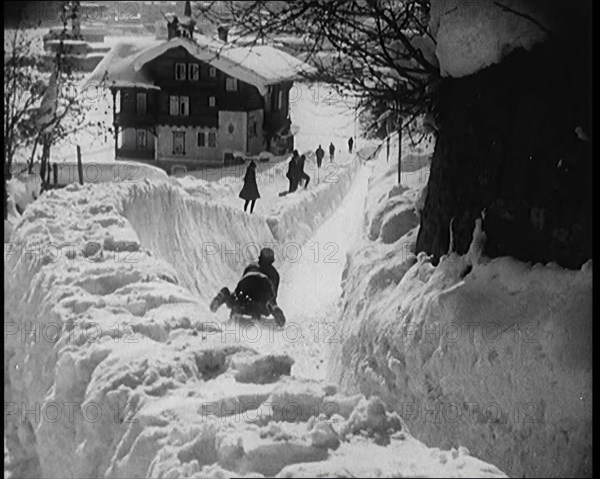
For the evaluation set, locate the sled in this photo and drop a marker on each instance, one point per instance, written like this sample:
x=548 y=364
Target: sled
x=244 y=316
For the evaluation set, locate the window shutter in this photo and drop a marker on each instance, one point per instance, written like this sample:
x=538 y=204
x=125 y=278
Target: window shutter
x=212 y=139
x=184 y=102
x=180 y=71
x=194 y=71
x=173 y=105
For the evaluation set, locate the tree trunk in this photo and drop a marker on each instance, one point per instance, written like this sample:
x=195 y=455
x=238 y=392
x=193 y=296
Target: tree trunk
x=45 y=159
x=400 y=152
x=32 y=158
x=507 y=145
x=55 y=171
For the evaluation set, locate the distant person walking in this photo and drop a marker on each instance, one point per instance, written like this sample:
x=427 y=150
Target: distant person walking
x=350 y=144
x=250 y=189
x=331 y=152
x=319 y=154
x=301 y=174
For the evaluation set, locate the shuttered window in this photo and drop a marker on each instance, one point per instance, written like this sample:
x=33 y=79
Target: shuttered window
x=180 y=71
x=212 y=140
x=193 y=71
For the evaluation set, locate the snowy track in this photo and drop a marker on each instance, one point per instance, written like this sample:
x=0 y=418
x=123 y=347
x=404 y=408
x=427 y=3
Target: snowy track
x=310 y=290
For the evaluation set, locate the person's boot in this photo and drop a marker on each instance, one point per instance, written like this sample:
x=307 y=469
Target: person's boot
x=278 y=315
x=219 y=299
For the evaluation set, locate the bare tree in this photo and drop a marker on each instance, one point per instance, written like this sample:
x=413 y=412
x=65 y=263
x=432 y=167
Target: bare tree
x=380 y=50
x=40 y=108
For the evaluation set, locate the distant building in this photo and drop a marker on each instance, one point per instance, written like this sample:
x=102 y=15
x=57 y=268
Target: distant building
x=198 y=101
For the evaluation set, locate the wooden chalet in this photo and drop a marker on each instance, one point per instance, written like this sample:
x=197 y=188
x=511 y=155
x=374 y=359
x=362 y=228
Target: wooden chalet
x=193 y=101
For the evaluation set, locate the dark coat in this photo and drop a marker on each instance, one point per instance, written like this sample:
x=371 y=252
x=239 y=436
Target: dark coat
x=301 y=166
x=268 y=270
x=293 y=172
x=250 y=189
x=319 y=153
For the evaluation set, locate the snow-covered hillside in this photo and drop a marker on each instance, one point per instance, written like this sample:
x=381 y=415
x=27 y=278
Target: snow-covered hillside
x=494 y=355
x=110 y=343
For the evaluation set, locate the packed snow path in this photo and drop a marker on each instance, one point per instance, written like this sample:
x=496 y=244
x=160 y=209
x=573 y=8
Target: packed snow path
x=310 y=290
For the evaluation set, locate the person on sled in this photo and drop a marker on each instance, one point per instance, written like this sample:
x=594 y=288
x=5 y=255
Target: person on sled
x=256 y=292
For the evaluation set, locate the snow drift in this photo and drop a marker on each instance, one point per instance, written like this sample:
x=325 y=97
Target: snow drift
x=114 y=368
x=494 y=355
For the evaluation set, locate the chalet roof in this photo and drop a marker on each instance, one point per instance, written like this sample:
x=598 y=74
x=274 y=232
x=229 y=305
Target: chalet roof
x=116 y=68
x=258 y=65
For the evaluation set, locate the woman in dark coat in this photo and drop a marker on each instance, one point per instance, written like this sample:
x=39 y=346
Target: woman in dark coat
x=250 y=189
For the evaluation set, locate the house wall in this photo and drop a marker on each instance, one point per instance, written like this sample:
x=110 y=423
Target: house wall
x=239 y=108
x=128 y=144
x=276 y=118
x=235 y=140
x=193 y=152
x=256 y=142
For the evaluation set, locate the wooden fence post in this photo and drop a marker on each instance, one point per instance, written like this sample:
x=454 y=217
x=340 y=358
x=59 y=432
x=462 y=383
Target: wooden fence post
x=400 y=153
x=79 y=165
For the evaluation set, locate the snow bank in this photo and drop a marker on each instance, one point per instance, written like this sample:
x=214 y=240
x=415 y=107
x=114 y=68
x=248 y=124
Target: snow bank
x=491 y=355
x=113 y=368
x=94 y=172
x=473 y=35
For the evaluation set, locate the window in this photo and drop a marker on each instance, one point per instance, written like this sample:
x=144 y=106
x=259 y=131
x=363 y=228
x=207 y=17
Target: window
x=231 y=84
x=140 y=100
x=179 y=71
x=280 y=100
x=179 y=142
x=184 y=105
x=140 y=139
x=212 y=72
x=179 y=105
x=201 y=139
x=212 y=140
x=252 y=130
x=173 y=105
x=193 y=71
x=212 y=101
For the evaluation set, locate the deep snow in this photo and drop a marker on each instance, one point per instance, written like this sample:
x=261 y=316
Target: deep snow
x=124 y=334
x=494 y=355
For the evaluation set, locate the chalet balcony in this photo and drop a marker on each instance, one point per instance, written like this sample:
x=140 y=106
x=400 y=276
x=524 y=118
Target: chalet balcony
x=127 y=120
x=133 y=153
x=191 y=120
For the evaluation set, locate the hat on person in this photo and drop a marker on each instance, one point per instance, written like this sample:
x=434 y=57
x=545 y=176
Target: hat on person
x=267 y=255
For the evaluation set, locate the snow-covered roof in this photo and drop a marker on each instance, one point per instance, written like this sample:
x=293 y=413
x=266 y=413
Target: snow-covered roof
x=259 y=65
x=116 y=68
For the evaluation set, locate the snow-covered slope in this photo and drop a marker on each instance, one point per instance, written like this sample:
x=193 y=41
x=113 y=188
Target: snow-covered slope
x=115 y=368
x=494 y=355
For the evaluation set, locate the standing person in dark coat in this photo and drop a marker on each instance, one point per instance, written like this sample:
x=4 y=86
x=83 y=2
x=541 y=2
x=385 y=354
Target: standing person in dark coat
x=250 y=189
x=350 y=144
x=319 y=154
x=331 y=152
x=301 y=174
x=293 y=173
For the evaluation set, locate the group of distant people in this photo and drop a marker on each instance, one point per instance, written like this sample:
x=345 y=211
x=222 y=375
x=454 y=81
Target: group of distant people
x=295 y=174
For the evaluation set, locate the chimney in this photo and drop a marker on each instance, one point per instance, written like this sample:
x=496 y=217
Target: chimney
x=222 y=31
